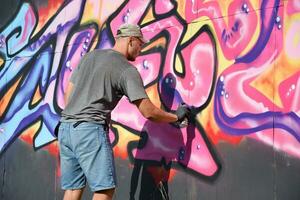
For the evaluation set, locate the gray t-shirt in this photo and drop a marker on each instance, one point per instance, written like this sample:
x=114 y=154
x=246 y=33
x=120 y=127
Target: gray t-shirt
x=100 y=81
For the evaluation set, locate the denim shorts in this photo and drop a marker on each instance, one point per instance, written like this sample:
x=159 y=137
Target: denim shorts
x=86 y=156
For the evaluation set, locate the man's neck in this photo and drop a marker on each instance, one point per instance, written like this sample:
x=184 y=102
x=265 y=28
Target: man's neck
x=120 y=49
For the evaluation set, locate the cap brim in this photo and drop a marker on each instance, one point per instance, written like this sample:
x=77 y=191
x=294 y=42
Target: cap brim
x=144 y=40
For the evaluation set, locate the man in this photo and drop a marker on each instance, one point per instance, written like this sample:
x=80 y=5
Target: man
x=95 y=88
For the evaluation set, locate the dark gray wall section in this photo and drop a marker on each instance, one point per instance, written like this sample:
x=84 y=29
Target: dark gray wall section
x=250 y=171
x=27 y=174
x=287 y=176
x=7 y=11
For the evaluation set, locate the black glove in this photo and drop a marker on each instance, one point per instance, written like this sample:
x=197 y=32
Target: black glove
x=183 y=111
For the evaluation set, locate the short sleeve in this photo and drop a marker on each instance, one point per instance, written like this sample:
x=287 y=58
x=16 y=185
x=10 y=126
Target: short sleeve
x=132 y=85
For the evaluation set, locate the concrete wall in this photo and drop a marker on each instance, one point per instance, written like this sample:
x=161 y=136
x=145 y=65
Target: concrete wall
x=237 y=62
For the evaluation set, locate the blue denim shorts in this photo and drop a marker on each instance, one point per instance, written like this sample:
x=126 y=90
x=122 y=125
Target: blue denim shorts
x=86 y=156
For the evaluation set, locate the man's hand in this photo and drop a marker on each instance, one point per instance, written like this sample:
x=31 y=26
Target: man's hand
x=183 y=111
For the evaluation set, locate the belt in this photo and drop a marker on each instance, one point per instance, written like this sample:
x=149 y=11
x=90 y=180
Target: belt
x=79 y=122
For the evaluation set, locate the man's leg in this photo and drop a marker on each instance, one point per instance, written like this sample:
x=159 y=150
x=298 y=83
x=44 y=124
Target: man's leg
x=104 y=194
x=72 y=175
x=97 y=160
x=73 y=194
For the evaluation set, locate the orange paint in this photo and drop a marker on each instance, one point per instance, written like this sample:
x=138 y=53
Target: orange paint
x=216 y=136
x=160 y=42
x=148 y=17
x=158 y=173
x=37 y=96
x=153 y=95
x=29 y=133
x=268 y=82
x=181 y=8
x=120 y=150
x=8 y=96
x=213 y=132
x=46 y=12
x=1 y=62
x=172 y=174
x=53 y=148
x=265 y=84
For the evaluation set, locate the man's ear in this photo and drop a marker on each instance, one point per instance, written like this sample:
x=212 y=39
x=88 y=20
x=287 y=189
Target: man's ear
x=130 y=41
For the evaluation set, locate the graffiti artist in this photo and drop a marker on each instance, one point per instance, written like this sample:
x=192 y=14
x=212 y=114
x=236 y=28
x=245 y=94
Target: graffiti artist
x=101 y=79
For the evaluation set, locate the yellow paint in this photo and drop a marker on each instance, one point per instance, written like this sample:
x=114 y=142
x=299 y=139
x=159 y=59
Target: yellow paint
x=125 y=137
x=181 y=8
x=255 y=4
x=296 y=40
x=7 y=97
x=223 y=62
x=92 y=12
x=224 y=5
x=98 y=11
x=265 y=84
x=178 y=64
x=148 y=17
x=284 y=67
x=207 y=117
x=268 y=82
x=29 y=133
x=153 y=95
x=194 y=27
x=1 y=62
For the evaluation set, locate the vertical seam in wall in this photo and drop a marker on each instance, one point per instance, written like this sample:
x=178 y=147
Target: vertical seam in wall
x=57 y=160
x=274 y=149
x=55 y=179
x=3 y=178
x=274 y=161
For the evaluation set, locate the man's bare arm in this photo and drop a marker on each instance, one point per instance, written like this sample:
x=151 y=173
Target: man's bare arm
x=151 y=112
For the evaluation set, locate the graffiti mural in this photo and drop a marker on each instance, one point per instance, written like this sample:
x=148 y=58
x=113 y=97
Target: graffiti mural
x=236 y=62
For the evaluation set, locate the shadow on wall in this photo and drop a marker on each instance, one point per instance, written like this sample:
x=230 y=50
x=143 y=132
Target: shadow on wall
x=152 y=173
